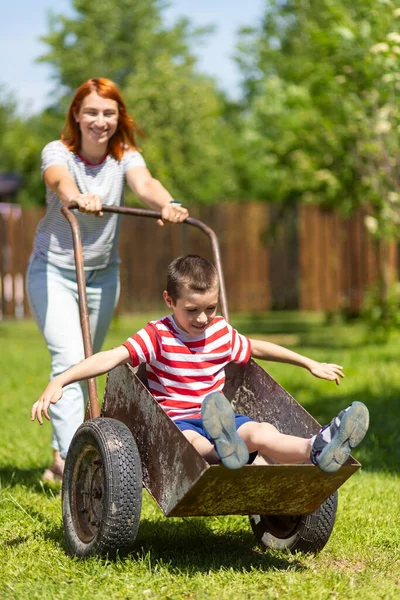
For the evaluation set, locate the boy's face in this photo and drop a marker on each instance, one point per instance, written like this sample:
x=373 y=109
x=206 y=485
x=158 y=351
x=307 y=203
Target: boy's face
x=193 y=311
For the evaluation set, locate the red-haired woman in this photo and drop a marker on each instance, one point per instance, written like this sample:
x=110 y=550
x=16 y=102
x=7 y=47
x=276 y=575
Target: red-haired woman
x=97 y=153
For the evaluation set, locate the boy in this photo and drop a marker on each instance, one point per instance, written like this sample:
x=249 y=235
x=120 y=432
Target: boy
x=185 y=355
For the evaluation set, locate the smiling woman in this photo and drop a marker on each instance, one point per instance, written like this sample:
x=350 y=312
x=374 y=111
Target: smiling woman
x=98 y=122
x=98 y=109
x=96 y=154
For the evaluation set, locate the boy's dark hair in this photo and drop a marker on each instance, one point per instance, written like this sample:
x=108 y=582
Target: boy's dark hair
x=193 y=273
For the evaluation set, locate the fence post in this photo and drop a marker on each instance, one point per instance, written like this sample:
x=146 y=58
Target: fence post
x=9 y=284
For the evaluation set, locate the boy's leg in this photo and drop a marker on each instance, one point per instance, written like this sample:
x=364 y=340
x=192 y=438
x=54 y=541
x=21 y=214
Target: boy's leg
x=266 y=439
x=202 y=445
x=219 y=422
x=329 y=449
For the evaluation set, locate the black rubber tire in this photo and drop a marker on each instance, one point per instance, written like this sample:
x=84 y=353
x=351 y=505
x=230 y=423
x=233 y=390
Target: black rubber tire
x=303 y=533
x=102 y=489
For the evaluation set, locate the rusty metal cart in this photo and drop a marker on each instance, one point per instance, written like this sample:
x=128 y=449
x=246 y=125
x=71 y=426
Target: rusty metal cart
x=133 y=443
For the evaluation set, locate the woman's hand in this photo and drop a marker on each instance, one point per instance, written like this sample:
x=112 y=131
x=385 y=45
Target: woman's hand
x=327 y=371
x=89 y=203
x=173 y=212
x=51 y=395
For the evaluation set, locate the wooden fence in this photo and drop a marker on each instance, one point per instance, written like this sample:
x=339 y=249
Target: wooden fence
x=303 y=257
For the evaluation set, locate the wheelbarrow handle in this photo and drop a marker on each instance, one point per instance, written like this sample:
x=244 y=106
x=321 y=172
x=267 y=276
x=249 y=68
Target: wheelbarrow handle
x=66 y=209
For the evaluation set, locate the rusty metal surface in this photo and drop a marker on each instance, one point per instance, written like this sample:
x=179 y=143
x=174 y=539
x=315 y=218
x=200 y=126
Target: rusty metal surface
x=170 y=464
x=253 y=392
x=183 y=484
x=259 y=489
x=93 y=409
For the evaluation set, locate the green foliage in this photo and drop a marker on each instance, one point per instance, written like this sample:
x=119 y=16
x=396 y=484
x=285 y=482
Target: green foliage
x=112 y=39
x=321 y=80
x=319 y=120
x=322 y=119
x=382 y=319
x=187 y=144
x=21 y=144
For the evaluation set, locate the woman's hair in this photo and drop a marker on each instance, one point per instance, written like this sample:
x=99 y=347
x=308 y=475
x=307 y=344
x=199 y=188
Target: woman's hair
x=124 y=135
x=192 y=273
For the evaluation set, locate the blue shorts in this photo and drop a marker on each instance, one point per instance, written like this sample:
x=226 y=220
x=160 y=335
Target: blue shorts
x=197 y=426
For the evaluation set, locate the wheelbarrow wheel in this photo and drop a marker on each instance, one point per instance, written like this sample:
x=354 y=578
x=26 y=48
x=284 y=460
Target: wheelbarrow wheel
x=304 y=533
x=102 y=489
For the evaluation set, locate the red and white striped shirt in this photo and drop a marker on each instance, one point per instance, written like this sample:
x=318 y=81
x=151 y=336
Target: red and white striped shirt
x=182 y=369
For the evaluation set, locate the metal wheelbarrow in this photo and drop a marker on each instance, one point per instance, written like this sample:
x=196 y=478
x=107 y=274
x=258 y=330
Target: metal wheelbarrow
x=133 y=444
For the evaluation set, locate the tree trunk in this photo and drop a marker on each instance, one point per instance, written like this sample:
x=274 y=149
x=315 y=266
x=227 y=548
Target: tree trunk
x=383 y=265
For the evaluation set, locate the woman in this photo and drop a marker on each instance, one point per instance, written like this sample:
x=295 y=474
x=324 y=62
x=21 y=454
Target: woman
x=97 y=153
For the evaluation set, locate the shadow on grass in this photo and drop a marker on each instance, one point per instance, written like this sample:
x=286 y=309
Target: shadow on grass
x=191 y=545
x=182 y=545
x=188 y=544
x=274 y=323
x=31 y=478
x=311 y=331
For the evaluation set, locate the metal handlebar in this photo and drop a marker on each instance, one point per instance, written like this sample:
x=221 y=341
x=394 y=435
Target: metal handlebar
x=93 y=405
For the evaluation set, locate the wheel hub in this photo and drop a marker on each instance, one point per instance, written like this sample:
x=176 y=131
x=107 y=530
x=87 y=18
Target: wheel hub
x=87 y=502
x=280 y=526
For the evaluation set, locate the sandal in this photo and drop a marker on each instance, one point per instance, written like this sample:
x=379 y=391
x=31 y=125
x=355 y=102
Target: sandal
x=53 y=474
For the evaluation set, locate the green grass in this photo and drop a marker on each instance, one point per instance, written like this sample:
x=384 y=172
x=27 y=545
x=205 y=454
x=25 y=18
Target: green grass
x=214 y=557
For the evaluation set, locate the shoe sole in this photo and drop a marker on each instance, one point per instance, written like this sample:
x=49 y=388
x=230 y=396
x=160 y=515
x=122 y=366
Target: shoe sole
x=352 y=429
x=219 y=422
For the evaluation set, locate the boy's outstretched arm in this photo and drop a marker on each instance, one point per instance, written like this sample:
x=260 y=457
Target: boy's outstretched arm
x=268 y=351
x=95 y=365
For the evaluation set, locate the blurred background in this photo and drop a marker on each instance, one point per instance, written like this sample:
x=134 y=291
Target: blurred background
x=275 y=122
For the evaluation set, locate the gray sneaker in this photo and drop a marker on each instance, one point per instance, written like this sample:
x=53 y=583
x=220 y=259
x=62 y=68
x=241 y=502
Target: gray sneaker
x=219 y=422
x=332 y=445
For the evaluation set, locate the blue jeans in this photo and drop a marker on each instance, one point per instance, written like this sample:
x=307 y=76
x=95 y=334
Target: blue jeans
x=53 y=298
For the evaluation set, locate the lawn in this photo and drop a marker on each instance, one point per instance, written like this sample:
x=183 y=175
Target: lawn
x=215 y=557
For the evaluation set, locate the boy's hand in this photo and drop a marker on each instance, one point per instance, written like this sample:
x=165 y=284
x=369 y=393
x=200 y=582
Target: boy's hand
x=326 y=371
x=51 y=395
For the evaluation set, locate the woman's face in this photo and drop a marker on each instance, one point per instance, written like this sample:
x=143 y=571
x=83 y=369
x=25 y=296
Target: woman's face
x=97 y=118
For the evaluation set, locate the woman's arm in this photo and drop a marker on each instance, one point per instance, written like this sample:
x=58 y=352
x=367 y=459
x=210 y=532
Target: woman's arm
x=61 y=182
x=154 y=194
x=268 y=351
x=95 y=365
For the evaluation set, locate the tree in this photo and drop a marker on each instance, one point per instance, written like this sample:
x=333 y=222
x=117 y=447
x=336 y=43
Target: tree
x=321 y=79
x=181 y=111
x=20 y=150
